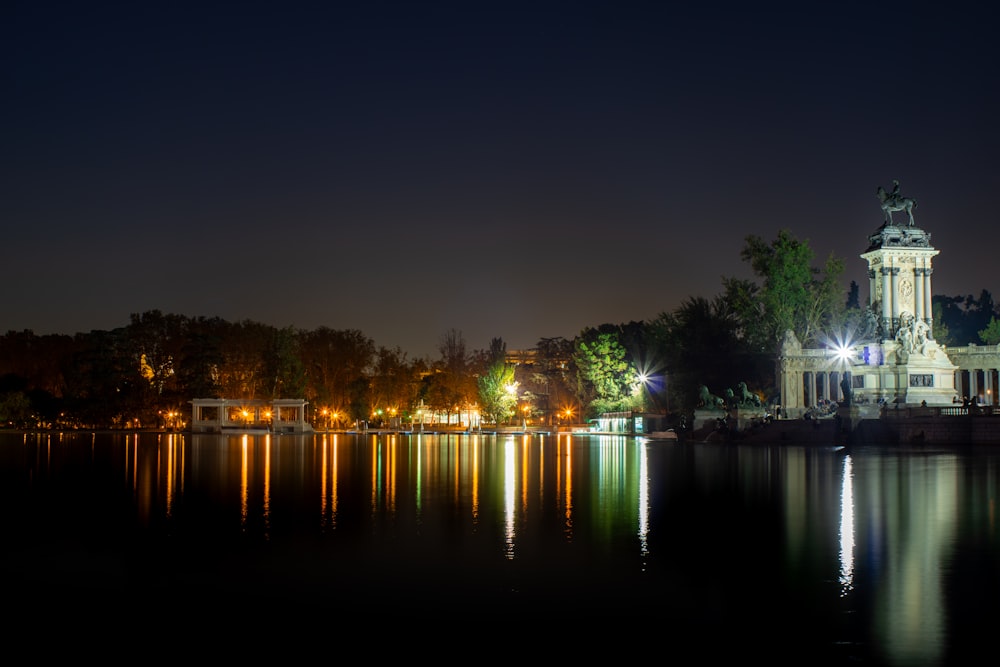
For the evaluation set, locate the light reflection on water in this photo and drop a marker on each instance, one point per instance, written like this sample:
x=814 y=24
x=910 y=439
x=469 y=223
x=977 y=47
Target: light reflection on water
x=864 y=553
x=847 y=529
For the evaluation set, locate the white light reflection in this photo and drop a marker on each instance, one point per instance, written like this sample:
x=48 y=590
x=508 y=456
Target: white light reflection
x=509 y=493
x=643 y=498
x=847 y=530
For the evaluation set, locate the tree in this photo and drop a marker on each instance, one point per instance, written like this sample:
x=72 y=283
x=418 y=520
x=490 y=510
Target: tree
x=961 y=318
x=700 y=345
x=102 y=381
x=604 y=372
x=498 y=391
x=853 y=298
x=554 y=360
x=336 y=364
x=991 y=334
x=283 y=365
x=451 y=386
x=393 y=383
x=792 y=294
x=940 y=331
x=201 y=359
x=15 y=409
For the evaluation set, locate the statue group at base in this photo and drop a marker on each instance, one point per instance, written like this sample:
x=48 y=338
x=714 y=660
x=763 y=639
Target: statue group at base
x=740 y=397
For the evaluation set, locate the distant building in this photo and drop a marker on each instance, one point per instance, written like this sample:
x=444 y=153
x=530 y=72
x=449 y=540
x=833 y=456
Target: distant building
x=219 y=415
x=630 y=423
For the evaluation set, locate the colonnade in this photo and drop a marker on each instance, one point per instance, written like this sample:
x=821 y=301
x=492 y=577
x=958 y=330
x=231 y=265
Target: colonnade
x=978 y=384
x=892 y=306
x=819 y=385
x=973 y=383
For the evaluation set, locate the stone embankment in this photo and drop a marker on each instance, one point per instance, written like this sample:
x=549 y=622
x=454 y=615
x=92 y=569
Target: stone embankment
x=928 y=426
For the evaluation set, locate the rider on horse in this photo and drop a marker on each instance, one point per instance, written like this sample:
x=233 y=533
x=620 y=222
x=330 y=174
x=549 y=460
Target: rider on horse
x=894 y=197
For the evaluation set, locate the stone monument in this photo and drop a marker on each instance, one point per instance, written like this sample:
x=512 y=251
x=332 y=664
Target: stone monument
x=893 y=359
x=911 y=367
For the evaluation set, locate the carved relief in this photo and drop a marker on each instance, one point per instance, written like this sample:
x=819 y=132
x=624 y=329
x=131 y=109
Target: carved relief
x=905 y=288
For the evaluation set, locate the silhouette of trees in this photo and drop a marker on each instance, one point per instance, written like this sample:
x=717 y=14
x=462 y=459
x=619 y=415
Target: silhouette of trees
x=959 y=320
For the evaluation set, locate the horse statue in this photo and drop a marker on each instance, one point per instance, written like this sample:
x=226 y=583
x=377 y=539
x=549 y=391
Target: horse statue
x=708 y=400
x=892 y=201
x=731 y=401
x=747 y=397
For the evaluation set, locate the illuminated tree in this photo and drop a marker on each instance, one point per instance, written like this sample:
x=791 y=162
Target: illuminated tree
x=606 y=377
x=791 y=295
x=498 y=392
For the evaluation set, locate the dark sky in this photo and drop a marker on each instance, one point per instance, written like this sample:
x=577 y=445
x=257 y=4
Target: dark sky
x=505 y=169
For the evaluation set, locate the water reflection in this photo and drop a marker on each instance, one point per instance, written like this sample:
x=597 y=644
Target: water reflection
x=510 y=494
x=911 y=517
x=847 y=529
x=877 y=552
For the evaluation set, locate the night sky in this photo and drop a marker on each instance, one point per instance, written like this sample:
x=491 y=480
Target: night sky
x=504 y=169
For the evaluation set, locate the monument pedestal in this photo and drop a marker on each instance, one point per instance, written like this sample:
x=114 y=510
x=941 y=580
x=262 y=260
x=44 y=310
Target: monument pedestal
x=708 y=418
x=746 y=416
x=915 y=375
x=739 y=418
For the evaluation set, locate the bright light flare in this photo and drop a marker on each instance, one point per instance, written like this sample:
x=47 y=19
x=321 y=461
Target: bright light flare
x=843 y=348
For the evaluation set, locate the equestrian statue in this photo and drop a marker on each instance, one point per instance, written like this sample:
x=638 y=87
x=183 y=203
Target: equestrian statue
x=893 y=201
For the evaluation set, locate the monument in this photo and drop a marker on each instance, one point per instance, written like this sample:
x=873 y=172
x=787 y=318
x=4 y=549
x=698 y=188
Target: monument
x=912 y=368
x=893 y=358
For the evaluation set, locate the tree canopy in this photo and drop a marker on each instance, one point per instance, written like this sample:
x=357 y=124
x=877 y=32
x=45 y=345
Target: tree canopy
x=791 y=294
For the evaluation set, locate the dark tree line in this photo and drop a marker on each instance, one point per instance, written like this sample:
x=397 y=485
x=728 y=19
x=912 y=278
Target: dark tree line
x=138 y=375
x=961 y=320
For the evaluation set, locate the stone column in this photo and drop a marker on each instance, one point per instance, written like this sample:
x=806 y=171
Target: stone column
x=895 y=301
x=887 y=302
x=928 y=304
x=918 y=294
x=871 y=286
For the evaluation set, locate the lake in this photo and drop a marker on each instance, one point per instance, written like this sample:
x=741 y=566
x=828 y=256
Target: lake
x=583 y=544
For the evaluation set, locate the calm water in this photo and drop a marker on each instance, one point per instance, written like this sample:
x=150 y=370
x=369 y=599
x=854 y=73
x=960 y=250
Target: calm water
x=657 y=549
